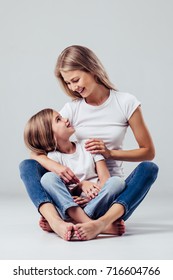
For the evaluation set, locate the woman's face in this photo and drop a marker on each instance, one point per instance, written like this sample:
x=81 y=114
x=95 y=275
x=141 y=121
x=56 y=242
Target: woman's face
x=61 y=127
x=80 y=82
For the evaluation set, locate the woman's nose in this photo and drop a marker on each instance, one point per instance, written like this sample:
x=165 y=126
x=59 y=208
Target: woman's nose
x=74 y=87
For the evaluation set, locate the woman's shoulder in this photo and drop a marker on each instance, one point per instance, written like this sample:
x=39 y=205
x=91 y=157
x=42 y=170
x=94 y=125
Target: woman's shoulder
x=73 y=103
x=69 y=108
x=127 y=102
x=121 y=95
x=125 y=98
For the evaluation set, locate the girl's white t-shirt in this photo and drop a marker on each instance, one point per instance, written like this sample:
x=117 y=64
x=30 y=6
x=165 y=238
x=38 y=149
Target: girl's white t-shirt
x=108 y=121
x=81 y=162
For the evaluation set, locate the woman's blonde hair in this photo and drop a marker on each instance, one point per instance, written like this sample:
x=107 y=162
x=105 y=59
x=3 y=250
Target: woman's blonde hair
x=38 y=133
x=81 y=58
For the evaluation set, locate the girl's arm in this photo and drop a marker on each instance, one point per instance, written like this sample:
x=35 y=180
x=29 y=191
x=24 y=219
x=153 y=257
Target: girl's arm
x=145 y=151
x=64 y=172
x=92 y=189
x=102 y=172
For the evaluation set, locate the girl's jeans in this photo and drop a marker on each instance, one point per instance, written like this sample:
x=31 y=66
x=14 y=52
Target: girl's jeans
x=95 y=208
x=138 y=184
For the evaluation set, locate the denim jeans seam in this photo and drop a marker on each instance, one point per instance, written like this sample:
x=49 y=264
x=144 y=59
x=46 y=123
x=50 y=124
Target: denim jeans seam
x=48 y=199
x=67 y=206
x=88 y=213
x=122 y=203
x=44 y=201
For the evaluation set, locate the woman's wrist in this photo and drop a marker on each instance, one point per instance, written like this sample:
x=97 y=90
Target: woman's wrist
x=108 y=154
x=112 y=154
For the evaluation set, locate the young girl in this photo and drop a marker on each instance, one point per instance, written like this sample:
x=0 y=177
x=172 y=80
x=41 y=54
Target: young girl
x=47 y=132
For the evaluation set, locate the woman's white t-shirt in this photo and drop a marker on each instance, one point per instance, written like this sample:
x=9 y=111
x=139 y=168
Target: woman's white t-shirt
x=108 y=121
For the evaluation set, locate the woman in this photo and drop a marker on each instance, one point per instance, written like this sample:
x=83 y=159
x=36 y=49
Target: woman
x=100 y=115
x=47 y=132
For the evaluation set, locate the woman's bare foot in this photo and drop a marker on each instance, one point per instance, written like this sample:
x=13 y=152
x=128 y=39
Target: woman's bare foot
x=63 y=229
x=116 y=228
x=90 y=230
x=43 y=223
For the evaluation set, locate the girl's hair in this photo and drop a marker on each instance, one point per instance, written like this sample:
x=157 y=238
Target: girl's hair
x=81 y=58
x=38 y=133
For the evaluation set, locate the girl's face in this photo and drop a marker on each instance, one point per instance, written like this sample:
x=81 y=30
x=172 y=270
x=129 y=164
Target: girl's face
x=61 y=127
x=81 y=82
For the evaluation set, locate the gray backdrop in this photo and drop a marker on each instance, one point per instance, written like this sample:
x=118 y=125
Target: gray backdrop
x=133 y=39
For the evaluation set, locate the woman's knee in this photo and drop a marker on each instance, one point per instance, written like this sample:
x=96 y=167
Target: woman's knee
x=31 y=167
x=150 y=168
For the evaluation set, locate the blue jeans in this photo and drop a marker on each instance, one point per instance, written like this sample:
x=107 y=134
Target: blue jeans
x=95 y=208
x=138 y=184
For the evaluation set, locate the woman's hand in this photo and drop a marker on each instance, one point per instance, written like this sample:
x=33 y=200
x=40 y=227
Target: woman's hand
x=90 y=189
x=81 y=201
x=65 y=173
x=97 y=146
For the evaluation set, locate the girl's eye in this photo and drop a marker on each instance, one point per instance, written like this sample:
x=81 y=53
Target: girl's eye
x=58 y=118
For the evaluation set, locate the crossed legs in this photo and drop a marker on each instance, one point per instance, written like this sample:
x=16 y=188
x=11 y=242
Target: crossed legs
x=85 y=228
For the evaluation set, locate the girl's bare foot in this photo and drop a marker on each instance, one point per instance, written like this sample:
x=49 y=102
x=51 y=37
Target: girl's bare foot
x=43 y=223
x=90 y=230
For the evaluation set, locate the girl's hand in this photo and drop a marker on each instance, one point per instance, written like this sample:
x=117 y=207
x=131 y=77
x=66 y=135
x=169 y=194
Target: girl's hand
x=81 y=201
x=97 y=146
x=90 y=189
x=67 y=175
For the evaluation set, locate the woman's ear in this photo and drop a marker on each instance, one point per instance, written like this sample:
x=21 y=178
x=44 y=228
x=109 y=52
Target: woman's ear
x=97 y=80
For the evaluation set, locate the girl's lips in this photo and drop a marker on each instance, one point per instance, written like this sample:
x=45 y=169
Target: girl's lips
x=69 y=125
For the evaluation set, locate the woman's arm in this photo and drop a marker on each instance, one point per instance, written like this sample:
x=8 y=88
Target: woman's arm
x=64 y=172
x=145 y=151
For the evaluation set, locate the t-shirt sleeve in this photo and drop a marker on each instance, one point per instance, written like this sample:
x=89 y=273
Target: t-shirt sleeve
x=66 y=112
x=98 y=157
x=54 y=156
x=128 y=103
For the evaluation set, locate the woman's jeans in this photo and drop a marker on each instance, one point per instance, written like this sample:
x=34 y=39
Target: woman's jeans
x=138 y=184
x=95 y=208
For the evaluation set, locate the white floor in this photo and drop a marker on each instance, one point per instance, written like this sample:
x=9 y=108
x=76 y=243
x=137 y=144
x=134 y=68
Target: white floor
x=149 y=234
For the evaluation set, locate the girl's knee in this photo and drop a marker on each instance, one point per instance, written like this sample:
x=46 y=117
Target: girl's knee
x=49 y=178
x=115 y=183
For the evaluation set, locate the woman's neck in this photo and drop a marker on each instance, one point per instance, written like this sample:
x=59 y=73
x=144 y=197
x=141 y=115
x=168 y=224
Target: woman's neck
x=66 y=147
x=99 y=97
